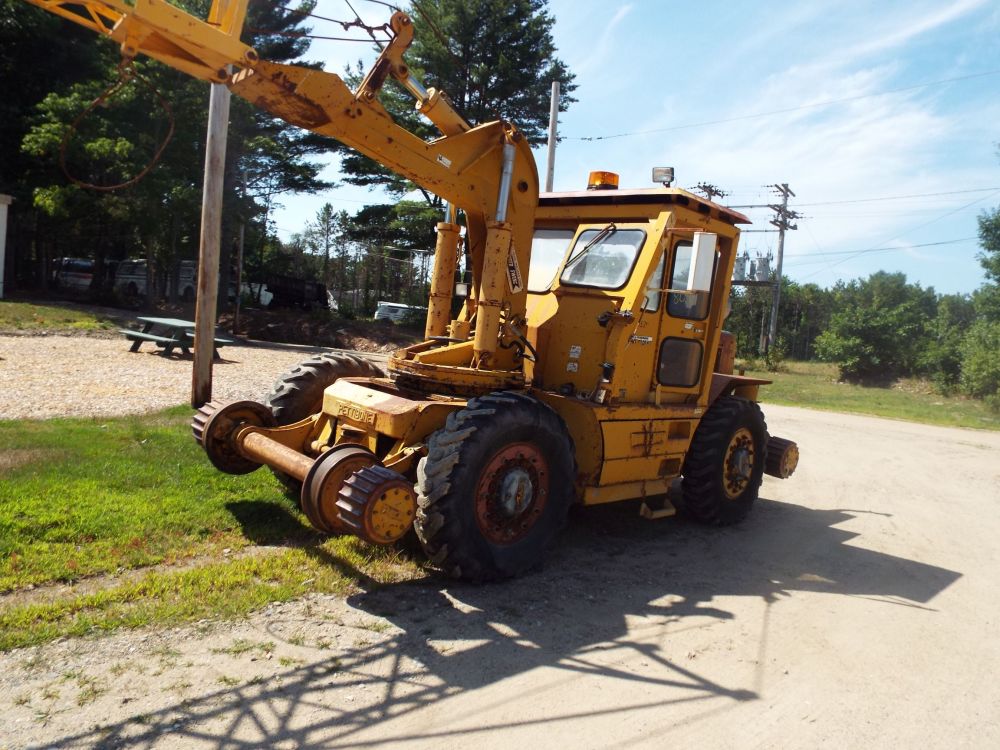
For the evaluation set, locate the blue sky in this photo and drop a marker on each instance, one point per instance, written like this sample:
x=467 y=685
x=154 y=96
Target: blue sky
x=689 y=85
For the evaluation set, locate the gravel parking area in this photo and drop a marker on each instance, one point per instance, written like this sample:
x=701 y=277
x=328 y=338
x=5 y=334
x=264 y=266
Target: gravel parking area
x=53 y=376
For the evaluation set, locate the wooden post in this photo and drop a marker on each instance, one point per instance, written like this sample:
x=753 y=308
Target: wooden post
x=211 y=235
x=5 y=200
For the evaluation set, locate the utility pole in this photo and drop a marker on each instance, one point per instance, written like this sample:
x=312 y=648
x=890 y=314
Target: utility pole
x=550 y=170
x=229 y=16
x=710 y=191
x=211 y=237
x=783 y=221
x=5 y=200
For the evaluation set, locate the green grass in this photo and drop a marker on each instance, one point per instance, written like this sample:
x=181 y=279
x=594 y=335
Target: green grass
x=814 y=385
x=85 y=497
x=27 y=317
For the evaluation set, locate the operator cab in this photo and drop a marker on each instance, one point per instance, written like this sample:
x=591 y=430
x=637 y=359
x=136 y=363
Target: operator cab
x=653 y=263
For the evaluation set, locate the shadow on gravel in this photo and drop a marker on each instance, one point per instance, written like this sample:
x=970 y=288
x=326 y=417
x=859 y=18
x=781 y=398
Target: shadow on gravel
x=613 y=563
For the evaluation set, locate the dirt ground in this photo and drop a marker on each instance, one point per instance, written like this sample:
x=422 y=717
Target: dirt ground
x=856 y=607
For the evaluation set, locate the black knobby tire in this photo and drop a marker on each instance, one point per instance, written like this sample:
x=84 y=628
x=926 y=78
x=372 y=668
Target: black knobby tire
x=461 y=522
x=716 y=487
x=299 y=392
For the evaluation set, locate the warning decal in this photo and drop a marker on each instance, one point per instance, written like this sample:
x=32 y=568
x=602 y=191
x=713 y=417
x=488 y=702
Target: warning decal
x=515 y=282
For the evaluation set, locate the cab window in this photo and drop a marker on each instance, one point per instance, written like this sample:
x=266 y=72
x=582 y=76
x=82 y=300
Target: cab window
x=603 y=258
x=682 y=303
x=548 y=248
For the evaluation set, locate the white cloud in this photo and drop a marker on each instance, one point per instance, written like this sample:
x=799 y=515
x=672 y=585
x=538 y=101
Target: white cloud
x=596 y=54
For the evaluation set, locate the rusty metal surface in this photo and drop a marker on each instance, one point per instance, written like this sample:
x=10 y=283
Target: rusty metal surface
x=260 y=447
x=215 y=427
x=322 y=485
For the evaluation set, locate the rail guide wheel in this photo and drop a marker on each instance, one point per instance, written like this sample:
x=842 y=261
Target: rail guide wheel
x=215 y=426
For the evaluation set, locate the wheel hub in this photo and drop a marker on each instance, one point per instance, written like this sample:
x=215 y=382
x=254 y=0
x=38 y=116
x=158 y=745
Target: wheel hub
x=738 y=464
x=511 y=493
x=516 y=492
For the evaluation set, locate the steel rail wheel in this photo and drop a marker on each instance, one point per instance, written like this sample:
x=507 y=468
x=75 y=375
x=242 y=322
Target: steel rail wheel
x=724 y=465
x=324 y=481
x=495 y=487
x=215 y=426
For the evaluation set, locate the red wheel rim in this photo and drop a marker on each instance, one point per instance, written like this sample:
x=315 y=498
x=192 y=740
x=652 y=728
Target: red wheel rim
x=511 y=493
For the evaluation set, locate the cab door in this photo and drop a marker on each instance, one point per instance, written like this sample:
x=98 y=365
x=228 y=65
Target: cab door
x=684 y=329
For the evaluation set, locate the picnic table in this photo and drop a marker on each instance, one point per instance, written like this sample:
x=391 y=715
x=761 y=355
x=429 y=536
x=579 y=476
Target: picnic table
x=168 y=334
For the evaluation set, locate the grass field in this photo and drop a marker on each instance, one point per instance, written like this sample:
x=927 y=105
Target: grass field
x=86 y=498
x=813 y=385
x=27 y=317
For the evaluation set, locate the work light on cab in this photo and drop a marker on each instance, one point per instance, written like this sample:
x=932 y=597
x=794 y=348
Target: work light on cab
x=663 y=175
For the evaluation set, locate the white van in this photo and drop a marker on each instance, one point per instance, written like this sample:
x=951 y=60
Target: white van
x=73 y=274
x=399 y=313
x=130 y=279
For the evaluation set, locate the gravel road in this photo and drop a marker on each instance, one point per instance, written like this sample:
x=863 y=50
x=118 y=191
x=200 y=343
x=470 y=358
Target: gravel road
x=51 y=376
x=857 y=607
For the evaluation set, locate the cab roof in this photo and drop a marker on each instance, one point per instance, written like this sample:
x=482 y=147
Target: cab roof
x=643 y=196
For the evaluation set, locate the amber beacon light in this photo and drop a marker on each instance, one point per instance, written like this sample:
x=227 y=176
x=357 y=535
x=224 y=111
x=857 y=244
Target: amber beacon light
x=602 y=181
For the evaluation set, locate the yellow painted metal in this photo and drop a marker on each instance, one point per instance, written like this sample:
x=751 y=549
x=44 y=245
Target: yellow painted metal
x=438 y=110
x=391 y=513
x=492 y=291
x=749 y=392
x=460 y=329
x=639 y=449
x=157 y=29
x=614 y=493
x=443 y=279
x=373 y=411
x=666 y=510
x=463 y=167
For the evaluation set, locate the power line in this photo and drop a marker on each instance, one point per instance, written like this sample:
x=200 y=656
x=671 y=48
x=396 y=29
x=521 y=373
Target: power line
x=814 y=105
x=878 y=249
x=895 y=197
x=911 y=229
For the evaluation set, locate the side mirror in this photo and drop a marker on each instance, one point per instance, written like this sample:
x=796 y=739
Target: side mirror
x=702 y=262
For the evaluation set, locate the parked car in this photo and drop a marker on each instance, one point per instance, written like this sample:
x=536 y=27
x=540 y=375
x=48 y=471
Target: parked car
x=400 y=313
x=130 y=279
x=73 y=274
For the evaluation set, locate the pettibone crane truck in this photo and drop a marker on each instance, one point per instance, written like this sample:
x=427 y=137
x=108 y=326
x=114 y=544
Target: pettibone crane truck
x=587 y=364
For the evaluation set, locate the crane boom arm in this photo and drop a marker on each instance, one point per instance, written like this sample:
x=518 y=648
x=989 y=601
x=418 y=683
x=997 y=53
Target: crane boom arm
x=487 y=171
x=157 y=29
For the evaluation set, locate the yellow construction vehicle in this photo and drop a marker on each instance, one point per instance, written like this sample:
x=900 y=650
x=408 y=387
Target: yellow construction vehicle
x=587 y=365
